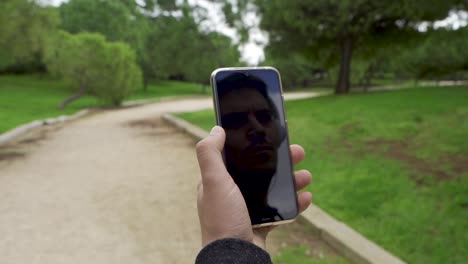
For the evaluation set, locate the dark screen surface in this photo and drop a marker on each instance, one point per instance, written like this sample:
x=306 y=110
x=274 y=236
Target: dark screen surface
x=249 y=107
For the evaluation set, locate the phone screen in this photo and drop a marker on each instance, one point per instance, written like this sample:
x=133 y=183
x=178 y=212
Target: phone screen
x=249 y=107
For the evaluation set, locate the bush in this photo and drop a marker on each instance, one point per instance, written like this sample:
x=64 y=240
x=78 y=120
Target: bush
x=121 y=76
x=103 y=69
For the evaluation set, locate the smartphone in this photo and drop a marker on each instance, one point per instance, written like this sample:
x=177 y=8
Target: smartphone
x=248 y=102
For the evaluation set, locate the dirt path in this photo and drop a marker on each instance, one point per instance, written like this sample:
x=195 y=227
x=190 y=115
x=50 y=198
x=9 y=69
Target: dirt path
x=108 y=188
x=114 y=187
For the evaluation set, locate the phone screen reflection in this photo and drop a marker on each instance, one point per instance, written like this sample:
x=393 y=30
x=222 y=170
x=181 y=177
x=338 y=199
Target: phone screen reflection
x=253 y=137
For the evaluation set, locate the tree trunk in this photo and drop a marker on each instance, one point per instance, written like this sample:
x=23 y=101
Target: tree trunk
x=74 y=97
x=346 y=52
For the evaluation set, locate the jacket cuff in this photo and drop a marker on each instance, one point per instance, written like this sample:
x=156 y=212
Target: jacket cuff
x=232 y=250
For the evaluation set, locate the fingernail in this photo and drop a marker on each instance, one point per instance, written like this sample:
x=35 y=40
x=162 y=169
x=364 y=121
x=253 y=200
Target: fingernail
x=215 y=130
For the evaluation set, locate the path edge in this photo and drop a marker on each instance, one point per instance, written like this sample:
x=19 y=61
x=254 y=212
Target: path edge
x=13 y=133
x=17 y=131
x=348 y=242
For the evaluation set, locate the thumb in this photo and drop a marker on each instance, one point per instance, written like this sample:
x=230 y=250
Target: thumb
x=209 y=157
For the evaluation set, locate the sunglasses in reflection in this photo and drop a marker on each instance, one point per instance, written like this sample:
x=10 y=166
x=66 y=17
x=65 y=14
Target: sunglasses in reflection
x=236 y=120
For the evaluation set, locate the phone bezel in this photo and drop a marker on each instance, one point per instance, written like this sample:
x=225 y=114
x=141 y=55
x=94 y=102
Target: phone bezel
x=218 y=122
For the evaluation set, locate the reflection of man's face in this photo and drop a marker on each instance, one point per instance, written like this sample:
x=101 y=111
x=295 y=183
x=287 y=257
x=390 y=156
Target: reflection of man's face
x=252 y=135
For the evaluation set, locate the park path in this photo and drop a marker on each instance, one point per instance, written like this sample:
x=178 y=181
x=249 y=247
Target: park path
x=118 y=186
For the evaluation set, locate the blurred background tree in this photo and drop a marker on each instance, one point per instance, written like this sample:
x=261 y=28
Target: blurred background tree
x=104 y=69
x=312 y=43
x=112 y=19
x=166 y=36
x=167 y=39
x=296 y=70
x=116 y=20
x=24 y=28
x=331 y=32
x=440 y=54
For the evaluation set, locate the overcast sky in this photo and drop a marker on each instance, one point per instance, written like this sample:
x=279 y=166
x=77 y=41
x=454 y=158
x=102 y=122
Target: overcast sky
x=252 y=52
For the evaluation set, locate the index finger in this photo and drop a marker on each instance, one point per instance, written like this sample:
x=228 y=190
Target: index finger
x=297 y=153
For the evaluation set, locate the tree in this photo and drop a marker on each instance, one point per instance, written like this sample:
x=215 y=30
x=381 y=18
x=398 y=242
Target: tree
x=164 y=33
x=116 y=20
x=24 y=29
x=177 y=48
x=441 y=52
x=296 y=70
x=95 y=66
x=212 y=50
x=113 y=19
x=331 y=31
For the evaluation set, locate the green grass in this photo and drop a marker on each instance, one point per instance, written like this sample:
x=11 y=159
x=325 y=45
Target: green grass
x=393 y=165
x=25 y=98
x=300 y=255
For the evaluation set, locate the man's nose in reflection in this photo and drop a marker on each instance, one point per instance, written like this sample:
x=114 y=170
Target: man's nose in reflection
x=256 y=130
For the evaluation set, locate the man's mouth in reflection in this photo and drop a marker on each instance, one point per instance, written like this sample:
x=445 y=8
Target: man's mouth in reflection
x=262 y=148
x=260 y=153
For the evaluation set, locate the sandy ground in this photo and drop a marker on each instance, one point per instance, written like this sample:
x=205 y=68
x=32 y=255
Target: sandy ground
x=118 y=186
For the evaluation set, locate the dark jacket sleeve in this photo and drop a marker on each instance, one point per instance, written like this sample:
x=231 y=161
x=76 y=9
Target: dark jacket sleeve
x=232 y=251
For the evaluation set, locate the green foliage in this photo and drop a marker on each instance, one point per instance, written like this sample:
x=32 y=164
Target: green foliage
x=120 y=75
x=296 y=70
x=331 y=31
x=106 y=70
x=440 y=52
x=110 y=18
x=116 y=20
x=389 y=164
x=299 y=255
x=168 y=45
x=212 y=50
x=168 y=42
x=313 y=26
x=176 y=48
x=24 y=29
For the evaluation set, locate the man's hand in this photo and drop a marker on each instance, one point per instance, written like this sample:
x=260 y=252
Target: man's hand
x=221 y=206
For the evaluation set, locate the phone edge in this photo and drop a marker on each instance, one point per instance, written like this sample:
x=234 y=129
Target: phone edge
x=217 y=116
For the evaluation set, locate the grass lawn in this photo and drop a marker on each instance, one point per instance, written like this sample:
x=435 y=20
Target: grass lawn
x=297 y=243
x=30 y=97
x=393 y=165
